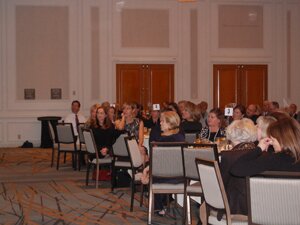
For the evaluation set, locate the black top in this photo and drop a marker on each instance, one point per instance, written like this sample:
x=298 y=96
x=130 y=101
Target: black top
x=191 y=126
x=179 y=137
x=256 y=161
x=105 y=138
x=253 y=118
x=149 y=123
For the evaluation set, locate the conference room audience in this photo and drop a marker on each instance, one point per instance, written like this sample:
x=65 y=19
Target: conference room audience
x=154 y=118
x=112 y=114
x=104 y=132
x=273 y=106
x=75 y=117
x=91 y=121
x=202 y=107
x=265 y=108
x=169 y=123
x=251 y=112
x=262 y=124
x=173 y=107
x=132 y=125
x=190 y=119
x=242 y=134
x=215 y=127
x=284 y=136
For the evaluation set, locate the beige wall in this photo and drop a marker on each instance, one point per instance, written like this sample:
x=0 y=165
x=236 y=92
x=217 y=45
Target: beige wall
x=75 y=45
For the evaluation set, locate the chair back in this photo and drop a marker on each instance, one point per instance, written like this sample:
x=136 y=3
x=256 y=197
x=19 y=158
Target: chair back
x=190 y=137
x=212 y=186
x=65 y=133
x=274 y=198
x=90 y=141
x=51 y=132
x=191 y=152
x=119 y=147
x=166 y=160
x=134 y=152
x=80 y=133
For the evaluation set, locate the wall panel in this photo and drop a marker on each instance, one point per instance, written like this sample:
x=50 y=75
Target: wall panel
x=145 y=28
x=42 y=52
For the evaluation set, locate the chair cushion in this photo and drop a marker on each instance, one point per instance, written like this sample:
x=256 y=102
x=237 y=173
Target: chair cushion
x=167 y=186
x=122 y=164
x=194 y=188
x=106 y=160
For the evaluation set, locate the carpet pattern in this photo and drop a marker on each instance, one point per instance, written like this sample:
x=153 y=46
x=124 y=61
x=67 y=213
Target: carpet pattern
x=31 y=192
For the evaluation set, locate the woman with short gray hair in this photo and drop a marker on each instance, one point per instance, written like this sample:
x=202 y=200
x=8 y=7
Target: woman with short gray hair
x=241 y=131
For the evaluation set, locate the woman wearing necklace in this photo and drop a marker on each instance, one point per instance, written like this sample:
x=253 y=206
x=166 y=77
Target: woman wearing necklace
x=215 y=128
x=132 y=125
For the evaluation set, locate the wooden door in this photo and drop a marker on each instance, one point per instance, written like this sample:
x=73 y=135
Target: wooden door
x=242 y=84
x=226 y=85
x=161 y=84
x=145 y=83
x=254 y=86
x=129 y=79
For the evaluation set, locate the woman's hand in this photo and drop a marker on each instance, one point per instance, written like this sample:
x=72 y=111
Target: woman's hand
x=264 y=143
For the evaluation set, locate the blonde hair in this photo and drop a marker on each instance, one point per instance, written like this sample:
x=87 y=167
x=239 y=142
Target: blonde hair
x=172 y=119
x=92 y=122
x=263 y=122
x=192 y=110
x=287 y=133
x=240 y=131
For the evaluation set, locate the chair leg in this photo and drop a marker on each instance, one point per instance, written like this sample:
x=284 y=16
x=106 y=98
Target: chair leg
x=58 y=156
x=79 y=159
x=188 y=209
x=132 y=194
x=113 y=177
x=142 y=195
x=52 y=157
x=97 y=175
x=150 y=206
x=87 y=174
x=65 y=156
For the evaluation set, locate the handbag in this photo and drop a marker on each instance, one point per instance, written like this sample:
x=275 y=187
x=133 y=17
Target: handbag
x=104 y=175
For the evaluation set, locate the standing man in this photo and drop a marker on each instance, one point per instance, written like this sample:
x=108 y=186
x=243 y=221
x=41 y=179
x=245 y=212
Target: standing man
x=75 y=117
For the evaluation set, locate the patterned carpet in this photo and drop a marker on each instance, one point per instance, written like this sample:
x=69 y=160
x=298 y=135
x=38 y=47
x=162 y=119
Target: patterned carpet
x=31 y=192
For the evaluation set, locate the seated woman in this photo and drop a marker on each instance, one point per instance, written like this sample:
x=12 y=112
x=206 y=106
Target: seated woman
x=91 y=122
x=239 y=112
x=284 y=136
x=215 y=128
x=169 y=123
x=104 y=133
x=262 y=124
x=112 y=114
x=190 y=119
x=132 y=125
x=242 y=134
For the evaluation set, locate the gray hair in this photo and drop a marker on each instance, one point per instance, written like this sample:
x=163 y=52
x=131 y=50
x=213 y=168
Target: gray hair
x=263 y=123
x=240 y=131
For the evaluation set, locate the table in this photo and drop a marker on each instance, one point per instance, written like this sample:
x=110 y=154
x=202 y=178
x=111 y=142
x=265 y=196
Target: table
x=46 y=141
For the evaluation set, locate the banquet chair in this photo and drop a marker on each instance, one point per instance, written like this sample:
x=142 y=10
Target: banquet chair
x=120 y=159
x=91 y=149
x=274 y=198
x=165 y=163
x=54 y=144
x=136 y=162
x=218 y=211
x=66 y=142
x=192 y=185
